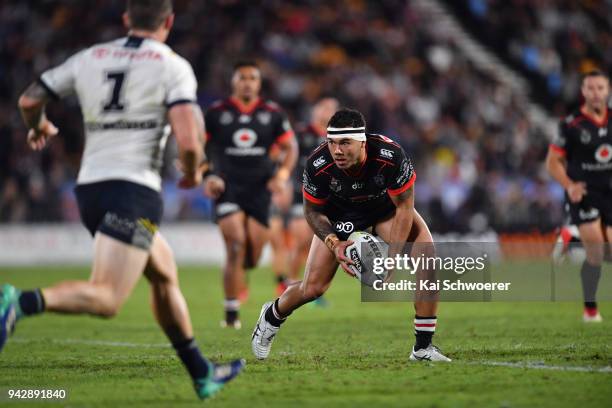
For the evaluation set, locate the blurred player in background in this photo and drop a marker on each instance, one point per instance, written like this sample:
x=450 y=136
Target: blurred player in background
x=241 y=131
x=580 y=159
x=129 y=89
x=352 y=183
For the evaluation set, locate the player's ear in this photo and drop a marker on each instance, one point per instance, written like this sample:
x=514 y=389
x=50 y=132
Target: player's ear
x=169 y=22
x=126 y=20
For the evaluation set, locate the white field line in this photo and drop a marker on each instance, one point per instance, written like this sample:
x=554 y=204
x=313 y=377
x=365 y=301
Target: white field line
x=530 y=366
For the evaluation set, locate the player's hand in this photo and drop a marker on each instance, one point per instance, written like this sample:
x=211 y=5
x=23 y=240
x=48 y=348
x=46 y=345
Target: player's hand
x=37 y=138
x=339 y=252
x=576 y=191
x=214 y=186
x=279 y=181
x=190 y=179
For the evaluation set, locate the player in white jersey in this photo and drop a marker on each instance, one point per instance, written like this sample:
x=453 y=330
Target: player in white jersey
x=132 y=91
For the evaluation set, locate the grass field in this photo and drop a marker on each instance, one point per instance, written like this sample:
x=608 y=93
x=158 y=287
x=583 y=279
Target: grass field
x=349 y=354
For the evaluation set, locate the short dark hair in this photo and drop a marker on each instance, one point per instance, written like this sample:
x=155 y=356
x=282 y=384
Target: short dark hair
x=594 y=73
x=148 y=14
x=245 y=63
x=346 y=117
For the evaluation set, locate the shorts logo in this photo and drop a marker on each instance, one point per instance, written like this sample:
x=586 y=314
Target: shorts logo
x=319 y=162
x=603 y=154
x=244 y=138
x=226 y=118
x=346 y=227
x=386 y=153
x=264 y=117
x=227 y=208
x=589 y=214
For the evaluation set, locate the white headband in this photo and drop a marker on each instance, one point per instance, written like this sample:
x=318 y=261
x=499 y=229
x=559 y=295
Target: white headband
x=347 y=133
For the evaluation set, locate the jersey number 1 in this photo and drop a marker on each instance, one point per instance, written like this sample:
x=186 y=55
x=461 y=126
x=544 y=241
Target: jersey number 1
x=114 y=103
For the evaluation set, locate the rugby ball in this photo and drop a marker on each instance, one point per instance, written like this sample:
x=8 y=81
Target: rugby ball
x=364 y=249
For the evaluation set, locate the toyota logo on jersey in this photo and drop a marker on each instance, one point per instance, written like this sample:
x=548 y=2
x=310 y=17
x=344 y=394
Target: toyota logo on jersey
x=244 y=138
x=603 y=154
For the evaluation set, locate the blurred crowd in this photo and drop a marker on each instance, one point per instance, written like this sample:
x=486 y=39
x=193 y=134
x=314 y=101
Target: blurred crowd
x=551 y=41
x=478 y=158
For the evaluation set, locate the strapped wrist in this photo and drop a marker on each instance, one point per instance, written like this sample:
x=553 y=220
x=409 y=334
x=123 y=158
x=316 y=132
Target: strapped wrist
x=331 y=240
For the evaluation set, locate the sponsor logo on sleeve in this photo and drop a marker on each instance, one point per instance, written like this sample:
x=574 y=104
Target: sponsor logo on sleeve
x=319 y=161
x=386 y=153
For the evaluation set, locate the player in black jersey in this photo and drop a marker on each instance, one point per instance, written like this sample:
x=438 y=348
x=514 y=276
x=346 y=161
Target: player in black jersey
x=580 y=159
x=353 y=182
x=240 y=132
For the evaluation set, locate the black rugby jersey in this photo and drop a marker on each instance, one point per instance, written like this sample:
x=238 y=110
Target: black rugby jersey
x=587 y=146
x=239 y=140
x=386 y=171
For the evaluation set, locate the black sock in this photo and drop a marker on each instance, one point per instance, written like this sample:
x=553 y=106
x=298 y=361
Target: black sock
x=232 y=308
x=273 y=316
x=281 y=278
x=424 y=329
x=32 y=302
x=189 y=353
x=590 y=275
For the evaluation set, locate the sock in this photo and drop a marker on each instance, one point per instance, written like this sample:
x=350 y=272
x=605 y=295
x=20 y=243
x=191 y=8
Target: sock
x=189 y=353
x=232 y=307
x=281 y=278
x=32 y=302
x=273 y=316
x=424 y=329
x=590 y=275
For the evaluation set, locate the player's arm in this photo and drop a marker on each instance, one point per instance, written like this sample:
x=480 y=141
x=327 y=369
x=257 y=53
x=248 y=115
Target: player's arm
x=401 y=224
x=188 y=127
x=323 y=229
x=289 y=151
x=556 y=165
x=32 y=107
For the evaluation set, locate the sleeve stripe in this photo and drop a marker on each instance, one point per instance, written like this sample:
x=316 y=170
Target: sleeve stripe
x=557 y=149
x=313 y=199
x=285 y=136
x=178 y=102
x=403 y=188
x=47 y=88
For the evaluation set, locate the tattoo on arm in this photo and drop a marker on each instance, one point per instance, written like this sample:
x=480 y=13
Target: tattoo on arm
x=317 y=220
x=35 y=113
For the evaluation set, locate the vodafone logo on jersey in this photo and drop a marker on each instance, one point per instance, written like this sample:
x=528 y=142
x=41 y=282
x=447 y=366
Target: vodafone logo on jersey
x=603 y=154
x=244 y=138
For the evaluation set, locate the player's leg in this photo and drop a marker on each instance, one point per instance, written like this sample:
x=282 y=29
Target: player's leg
x=592 y=238
x=233 y=230
x=426 y=302
x=117 y=266
x=171 y=312
x=280 y=256
x=320 y=270
x=302 y=237
x=258 y=234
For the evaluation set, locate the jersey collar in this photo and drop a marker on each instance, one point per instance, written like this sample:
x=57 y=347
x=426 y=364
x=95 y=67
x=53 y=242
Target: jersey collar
x=243 y=108
x=592 y=119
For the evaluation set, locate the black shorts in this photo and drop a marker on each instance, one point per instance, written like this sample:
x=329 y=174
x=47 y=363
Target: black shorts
x=254 y=200
x=596 y=204
x=120 y=209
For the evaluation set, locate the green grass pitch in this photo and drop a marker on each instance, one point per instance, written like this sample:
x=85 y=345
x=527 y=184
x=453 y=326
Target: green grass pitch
x=349 y=354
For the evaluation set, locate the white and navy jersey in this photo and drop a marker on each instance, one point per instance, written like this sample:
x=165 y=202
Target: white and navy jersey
x=125 y=88
x=587 y=146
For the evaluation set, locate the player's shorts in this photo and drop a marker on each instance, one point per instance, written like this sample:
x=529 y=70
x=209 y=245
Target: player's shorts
x=596 y=204
x=254 y=200
x=297 y=208
x=126 y=211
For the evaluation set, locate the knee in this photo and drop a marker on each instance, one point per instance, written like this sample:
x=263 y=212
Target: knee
x=107 y=303
x=235 y=246
x=312 y=290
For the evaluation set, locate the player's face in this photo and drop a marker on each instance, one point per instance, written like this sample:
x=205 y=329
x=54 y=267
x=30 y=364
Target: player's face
x=596 y=91
x=346 y=152
x=246 y=83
